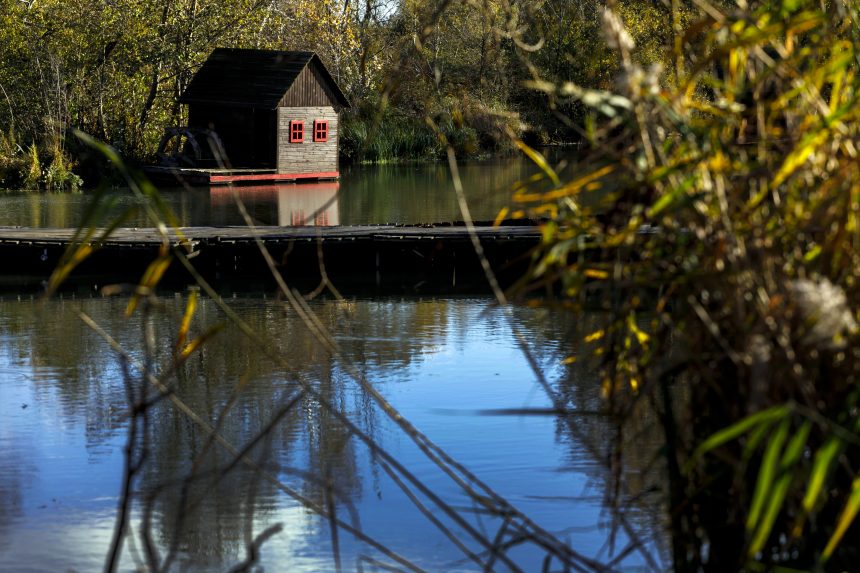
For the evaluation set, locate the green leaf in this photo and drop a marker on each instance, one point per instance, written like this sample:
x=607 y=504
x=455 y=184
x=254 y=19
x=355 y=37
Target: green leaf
x=766 y=474
x=738 y=429
x=790 y=6
x=755 y=439
x=789 y=458
x=671 y=198
x=813 y=254
x=821 y=465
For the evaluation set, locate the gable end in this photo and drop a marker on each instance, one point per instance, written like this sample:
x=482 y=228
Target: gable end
x=312 y=88
x=307 y=91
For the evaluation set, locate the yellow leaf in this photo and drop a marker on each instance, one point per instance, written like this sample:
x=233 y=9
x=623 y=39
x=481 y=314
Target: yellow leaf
x=583 y=182
x=596 y=274
x=798 y=157
x=845 y=520
x=597 y=335
x=186 y=320
x=719 y=162
x=76 y=256
x=501 y=216
x=641 y=337
x=539 y=160
x=151 y=277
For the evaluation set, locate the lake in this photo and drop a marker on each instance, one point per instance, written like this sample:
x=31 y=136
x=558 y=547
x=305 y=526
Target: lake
x=417 y=424
x=450 y=366
x=365 y=195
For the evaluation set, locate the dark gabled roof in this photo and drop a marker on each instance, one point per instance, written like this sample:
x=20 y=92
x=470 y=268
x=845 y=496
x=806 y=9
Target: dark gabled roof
x=254 y=78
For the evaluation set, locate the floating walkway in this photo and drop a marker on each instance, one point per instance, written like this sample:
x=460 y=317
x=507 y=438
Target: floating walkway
x=391 y=258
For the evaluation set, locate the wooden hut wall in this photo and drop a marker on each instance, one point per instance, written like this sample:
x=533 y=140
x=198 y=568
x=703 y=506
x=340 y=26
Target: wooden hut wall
x=249 y=136
x=308 y=156
x=265 y=138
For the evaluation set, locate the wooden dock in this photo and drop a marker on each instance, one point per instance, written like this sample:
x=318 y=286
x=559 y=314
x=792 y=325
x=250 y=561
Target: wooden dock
x=390 y=258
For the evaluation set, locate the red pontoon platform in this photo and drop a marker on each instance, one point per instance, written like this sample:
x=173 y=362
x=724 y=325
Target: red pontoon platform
x=199 y=176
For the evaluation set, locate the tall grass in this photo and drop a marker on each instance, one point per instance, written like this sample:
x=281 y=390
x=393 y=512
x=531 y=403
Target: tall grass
x=395 y=137
x=725 y=245
x=379 y=136
x=390 y=138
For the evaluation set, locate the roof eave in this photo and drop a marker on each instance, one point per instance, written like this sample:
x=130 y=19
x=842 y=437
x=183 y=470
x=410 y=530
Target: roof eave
x=245 y=104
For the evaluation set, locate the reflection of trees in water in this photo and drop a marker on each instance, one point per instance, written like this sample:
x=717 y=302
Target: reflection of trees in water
x=214 y=510
x=14 y=469
x=330 y=448
x=415 y=194
x=631 y=460
x=384 y=336
x=381 y=338
x=210 y=517
x=71 y=366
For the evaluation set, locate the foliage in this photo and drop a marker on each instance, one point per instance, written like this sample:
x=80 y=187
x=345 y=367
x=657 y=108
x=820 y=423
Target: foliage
x=33 y=168
x=116 y=69
x=716 y=218
x=59 y=175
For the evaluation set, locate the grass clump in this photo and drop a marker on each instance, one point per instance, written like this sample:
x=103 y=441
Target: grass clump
x=32 y=169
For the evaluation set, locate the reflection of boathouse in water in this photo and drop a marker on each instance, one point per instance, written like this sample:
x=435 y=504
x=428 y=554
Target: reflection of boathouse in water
x=269 y=115
x=311 y=204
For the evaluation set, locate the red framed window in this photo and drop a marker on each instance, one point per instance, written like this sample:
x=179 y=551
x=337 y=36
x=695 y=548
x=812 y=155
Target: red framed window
x=320 y=130
x=297 y=131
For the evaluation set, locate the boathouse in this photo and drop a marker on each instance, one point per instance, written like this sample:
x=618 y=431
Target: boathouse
x=274 y=111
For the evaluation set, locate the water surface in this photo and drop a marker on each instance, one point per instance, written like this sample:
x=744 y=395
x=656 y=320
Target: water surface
x=438 y=361
x=365 y=195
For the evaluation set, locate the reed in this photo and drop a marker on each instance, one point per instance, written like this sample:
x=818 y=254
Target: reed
x=392 y=136
x=716 y=217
